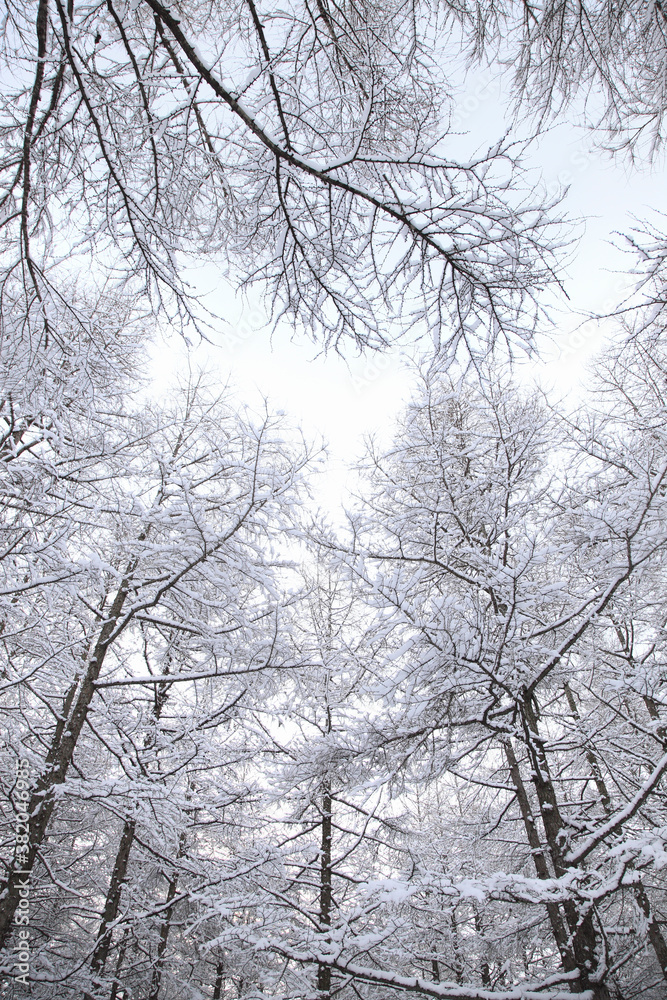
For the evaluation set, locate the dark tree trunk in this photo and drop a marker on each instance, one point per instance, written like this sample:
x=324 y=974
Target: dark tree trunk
x=558 y=928
x=586 y=943
x=655 y=934
x=217 y=989
x=324 y=971
x=110 y=912
x=484 y=966
x=457 y=965
x=58 y=760
x=156 y=978
x=119 y=965
x=591 y=757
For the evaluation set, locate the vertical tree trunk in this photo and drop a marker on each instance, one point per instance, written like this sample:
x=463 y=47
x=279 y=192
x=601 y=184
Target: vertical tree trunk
x=591 y=758
x=217 y=988
x=119 y=965
x=110 y=912
x=558 y=929
x=59 y=758
x=118 y=875
x=652 y=710
x=655 y=934
x=156 y=978
x=457 y=965
x=324 y=971
x=485 y=970
x=586 y=943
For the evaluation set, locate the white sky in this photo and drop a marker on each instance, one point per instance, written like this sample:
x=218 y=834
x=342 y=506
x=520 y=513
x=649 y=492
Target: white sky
x=345 y=400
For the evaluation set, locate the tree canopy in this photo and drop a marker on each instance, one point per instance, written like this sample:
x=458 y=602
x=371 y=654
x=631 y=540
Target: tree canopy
x=246 y=753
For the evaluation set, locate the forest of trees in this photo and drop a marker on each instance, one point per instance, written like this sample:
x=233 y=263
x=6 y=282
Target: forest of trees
x=246 y=753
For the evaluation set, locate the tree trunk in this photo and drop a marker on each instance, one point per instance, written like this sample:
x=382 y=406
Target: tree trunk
x=591 y=757
x=484 y=966
x=558 y=929
x=58 y=760
x=110 y=912
x=112 y=905
x=217 y=989
x=119 y=965
x=324 y=971
x=652 y=709
x=655 y=935
x=156 y=978
x=586 y=944
x=457 y=965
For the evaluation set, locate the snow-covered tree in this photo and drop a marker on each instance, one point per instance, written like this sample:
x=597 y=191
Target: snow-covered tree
x=275 y=761
x=142 y=548
x=305 y=147
x=511 y=592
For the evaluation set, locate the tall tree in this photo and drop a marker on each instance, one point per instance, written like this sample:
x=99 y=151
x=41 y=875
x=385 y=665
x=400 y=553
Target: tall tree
x=499 y=582
x=200 y=494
